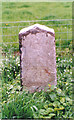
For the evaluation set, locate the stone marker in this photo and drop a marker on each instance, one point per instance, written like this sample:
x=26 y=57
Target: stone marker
x=37 y=57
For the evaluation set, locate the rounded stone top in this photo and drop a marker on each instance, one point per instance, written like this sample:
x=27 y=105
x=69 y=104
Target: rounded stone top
x=35 y=29
x=43 y=27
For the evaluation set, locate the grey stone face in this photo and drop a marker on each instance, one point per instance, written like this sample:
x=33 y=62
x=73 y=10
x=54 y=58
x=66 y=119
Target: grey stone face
x=38 y=59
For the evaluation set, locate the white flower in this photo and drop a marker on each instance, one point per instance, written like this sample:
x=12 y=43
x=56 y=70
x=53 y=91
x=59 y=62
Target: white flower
x=17 y=59
x=70 y=72
x=13 y=91
x=64 y=70
x=11 y=86
x=18 y=64
x=10 y=56
x=6 y=60
x=58 y=59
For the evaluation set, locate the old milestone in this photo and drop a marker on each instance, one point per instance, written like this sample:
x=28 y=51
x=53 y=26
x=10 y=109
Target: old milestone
x=37 y=57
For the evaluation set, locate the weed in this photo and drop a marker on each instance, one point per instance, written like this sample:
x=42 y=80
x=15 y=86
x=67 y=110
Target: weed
x=54 y=103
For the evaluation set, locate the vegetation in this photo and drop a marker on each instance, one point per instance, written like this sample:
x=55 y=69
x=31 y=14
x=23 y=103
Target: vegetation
x=56 y=102
x=36 y=11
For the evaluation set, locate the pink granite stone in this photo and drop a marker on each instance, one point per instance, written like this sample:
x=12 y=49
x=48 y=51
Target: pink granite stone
x=38 y=57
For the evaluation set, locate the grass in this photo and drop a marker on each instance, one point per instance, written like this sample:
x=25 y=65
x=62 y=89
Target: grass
x=56 y=102
x=36 y=11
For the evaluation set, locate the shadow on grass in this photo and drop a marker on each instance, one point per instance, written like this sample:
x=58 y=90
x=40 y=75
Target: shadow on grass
x=26 y=6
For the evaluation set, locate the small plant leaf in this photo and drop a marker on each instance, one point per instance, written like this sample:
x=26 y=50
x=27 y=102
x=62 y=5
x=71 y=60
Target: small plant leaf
x=35 y=107
x=62 y=100
x=45 y=106
x=56 y=104
x=42 y=111
x=53 y=96
x=52 y=87
x=58 y=90
x=49 y=110
x=51 y=115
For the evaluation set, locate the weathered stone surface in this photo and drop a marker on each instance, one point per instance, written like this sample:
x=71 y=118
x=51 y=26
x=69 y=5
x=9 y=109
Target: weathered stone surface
x=38 y=58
